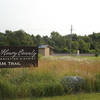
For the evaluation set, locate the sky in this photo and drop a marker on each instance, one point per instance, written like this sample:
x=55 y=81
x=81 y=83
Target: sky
x=44 y=16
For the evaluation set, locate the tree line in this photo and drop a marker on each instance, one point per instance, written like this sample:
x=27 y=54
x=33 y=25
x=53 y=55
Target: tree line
x=61 y=44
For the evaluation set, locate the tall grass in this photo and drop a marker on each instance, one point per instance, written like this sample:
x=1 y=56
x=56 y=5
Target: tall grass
x=45 y=80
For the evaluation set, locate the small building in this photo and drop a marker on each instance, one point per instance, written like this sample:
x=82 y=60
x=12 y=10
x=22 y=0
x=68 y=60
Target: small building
x=45 y=50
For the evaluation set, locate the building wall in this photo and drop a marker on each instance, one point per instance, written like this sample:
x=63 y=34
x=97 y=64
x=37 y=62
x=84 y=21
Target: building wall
x=47 y=51
x=42 y=51
x=51 y=52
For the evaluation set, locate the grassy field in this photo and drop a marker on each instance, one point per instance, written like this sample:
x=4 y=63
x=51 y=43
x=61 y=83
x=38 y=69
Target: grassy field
x=66 y=65
x=45 y=80
x=91 y=96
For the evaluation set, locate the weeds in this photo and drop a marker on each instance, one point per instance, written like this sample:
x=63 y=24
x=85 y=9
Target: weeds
x=45 y=80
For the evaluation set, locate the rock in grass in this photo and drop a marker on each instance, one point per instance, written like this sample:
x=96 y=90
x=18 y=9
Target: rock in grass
x=72 y=84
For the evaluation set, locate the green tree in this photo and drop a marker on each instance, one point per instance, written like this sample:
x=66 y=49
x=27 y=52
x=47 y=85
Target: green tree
x=19 y=38
x=3 y=39
x=83 y=46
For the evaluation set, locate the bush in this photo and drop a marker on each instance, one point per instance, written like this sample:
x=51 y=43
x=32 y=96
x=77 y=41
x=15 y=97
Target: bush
x=39 y=56
x=89 y=85
x=4 y=72
x=97 y=82
x=23 y=90
x=92 y=51
x=37 y=84
x=54 y=89
x=72 y=83
x=7 y=90
x=96 y=54
x=47 y=89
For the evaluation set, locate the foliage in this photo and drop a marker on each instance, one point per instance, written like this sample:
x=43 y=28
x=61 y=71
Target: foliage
x=48 y=78
x=47 y=89
x=36 y=84
x=96 y=54
x=7 y=90
x=39 y=56
x=72 y=83
x=97 y=82
x=61 y=44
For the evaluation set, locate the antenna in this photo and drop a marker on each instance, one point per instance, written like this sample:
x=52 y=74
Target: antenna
x=71 y=29
x=71 y=39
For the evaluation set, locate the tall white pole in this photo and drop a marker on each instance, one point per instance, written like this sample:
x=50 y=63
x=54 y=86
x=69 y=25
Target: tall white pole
x=71 y=39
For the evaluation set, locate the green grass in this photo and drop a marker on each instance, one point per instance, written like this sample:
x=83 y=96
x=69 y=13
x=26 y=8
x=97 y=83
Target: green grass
x=45 y=80
x=88 y=57
x=93 y=58
x=91 y=96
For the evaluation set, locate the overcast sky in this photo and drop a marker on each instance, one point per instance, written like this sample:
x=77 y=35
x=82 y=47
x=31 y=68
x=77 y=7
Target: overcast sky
x=44 y=16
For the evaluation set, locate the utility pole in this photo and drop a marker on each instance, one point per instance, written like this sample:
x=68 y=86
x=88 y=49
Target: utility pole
x=71 y=39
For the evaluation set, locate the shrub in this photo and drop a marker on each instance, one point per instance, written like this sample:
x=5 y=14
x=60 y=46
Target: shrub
x=18 y=79
x=97 y=82
x=7 y=90
x=4 y=72
x=37 y=84
x=96 y=54
x=39 y=56
x=92 y=51
x=72 y=83
x=47 y=89
x=23 y=90
x=53 y=89
x=38 y=77
x=89 y=85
